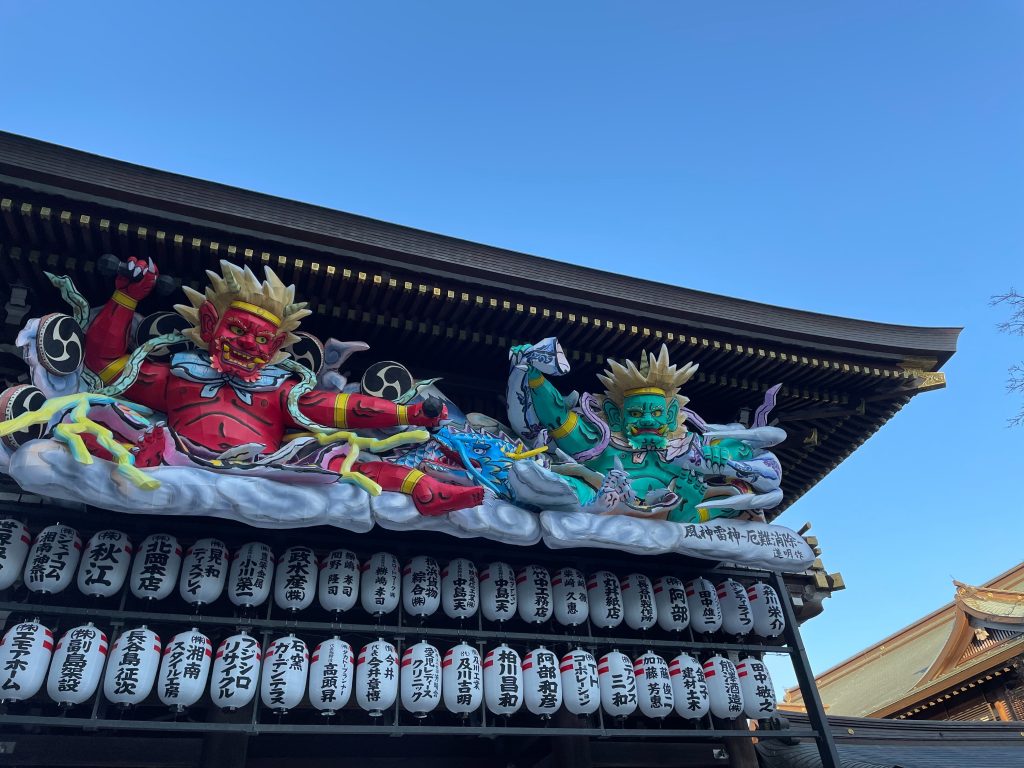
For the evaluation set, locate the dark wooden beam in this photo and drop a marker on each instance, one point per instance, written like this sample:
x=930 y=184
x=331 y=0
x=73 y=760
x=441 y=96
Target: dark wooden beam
x=96 y=750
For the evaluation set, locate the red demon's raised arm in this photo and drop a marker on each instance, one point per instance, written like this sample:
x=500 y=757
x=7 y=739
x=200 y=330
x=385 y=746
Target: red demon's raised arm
x=106 y=340
x=357 y=411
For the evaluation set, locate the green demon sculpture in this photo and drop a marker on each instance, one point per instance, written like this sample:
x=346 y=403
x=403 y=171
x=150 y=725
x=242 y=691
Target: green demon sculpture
x=629 y=451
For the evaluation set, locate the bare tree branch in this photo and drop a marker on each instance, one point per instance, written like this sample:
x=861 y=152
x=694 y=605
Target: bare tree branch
x=1015 y=326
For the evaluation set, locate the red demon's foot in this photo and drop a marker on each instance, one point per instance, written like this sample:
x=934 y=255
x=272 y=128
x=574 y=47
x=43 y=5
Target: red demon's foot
x=149 y=450
x=436 y=498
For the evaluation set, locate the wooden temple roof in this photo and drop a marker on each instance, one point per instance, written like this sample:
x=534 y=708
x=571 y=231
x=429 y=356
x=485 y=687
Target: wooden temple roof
x=445 y=306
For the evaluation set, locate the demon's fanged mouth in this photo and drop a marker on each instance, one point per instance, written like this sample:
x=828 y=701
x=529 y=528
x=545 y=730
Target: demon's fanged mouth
x=238 y=358
x=659 y=431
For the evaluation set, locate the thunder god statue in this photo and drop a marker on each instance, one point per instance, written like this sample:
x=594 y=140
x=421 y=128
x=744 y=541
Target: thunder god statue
x=235 y=404
x=630 y=450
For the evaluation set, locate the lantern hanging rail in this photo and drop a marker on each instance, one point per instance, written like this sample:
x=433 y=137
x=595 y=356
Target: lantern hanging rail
x=254 y=729
x=122 y=616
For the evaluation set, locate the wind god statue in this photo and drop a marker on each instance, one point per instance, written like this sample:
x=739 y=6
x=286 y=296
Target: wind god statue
x=629 y=451
x=235 y=405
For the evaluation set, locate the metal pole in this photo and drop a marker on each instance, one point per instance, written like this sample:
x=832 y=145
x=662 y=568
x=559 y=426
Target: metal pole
x=805 y=677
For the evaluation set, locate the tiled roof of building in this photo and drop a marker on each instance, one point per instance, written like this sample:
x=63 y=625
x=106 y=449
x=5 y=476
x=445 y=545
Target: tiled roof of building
x=929 y=653
x=867 y=743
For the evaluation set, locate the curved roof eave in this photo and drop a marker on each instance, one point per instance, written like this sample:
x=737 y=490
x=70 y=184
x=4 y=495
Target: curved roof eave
x=60 y=168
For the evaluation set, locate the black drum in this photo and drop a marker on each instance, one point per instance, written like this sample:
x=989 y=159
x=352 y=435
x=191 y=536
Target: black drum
x=16 y=400
x=308 y=351
x=386 y=379
x=158 y=324
x=60 y=344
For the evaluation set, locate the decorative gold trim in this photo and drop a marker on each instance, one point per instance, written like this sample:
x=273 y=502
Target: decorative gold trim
x=124 y=300
x=403 y=415
x=113 y=370
x=252 y=309
x=926 y=381
x=570 y=424
x=411 y=480
x=535 y=382
x=644 y=391
x=341 y=411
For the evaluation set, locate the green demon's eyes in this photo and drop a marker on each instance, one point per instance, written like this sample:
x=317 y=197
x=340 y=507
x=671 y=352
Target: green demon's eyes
x=656 y=412
x=635 y=413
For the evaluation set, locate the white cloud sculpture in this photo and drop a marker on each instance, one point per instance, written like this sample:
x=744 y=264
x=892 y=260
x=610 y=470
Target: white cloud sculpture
x=45 y=467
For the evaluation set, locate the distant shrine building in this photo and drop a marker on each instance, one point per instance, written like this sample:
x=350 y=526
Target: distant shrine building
x=964 y=661
x=286 y=486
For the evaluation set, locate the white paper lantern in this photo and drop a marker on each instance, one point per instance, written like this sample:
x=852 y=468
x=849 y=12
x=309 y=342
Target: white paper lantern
x=533 y=594
x=460 y=589
x=295 y=579
x=705 y=610
x=331 y=674
x=77 y=665
x=104 y=565
x=236 y=671
x=155 y=568
x=638 y=605
x=14 y=544
x=380 y=584
x=757 y=689
x=421 y=586
x=24 y=658
x=339 y=581
x=670 y=601
x=498 y=600
x=503 y=680
x=285 y=669
x=569 y=594
x=377 y=677
x=769 y=620
x=131 y=670
x=203 y=572
x=52 y=560
x=618 y=684
x=605 y=597
x=737 y=617
x=654 y=694
x=184 y=669
x=250 y=575
x=581 y=691
x=421 y=679
x=723 y=687
x=462 y=680
x=689 y=687
x=542 y=683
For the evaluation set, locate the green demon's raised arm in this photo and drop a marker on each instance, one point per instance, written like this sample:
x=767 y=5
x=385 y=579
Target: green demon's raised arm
x=534 y=404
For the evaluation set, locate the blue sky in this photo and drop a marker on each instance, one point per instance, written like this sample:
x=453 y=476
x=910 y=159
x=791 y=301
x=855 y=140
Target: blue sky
x=860 y=159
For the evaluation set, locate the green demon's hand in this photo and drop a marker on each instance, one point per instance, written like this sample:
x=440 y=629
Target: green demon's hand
x=718 y=455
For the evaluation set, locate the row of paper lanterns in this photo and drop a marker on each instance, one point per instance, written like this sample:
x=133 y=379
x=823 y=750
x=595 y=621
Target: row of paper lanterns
x=422 y=679
x=338 y=581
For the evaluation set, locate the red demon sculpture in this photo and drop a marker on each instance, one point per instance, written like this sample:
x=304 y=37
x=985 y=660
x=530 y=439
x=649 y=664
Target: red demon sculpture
x=232 y=394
